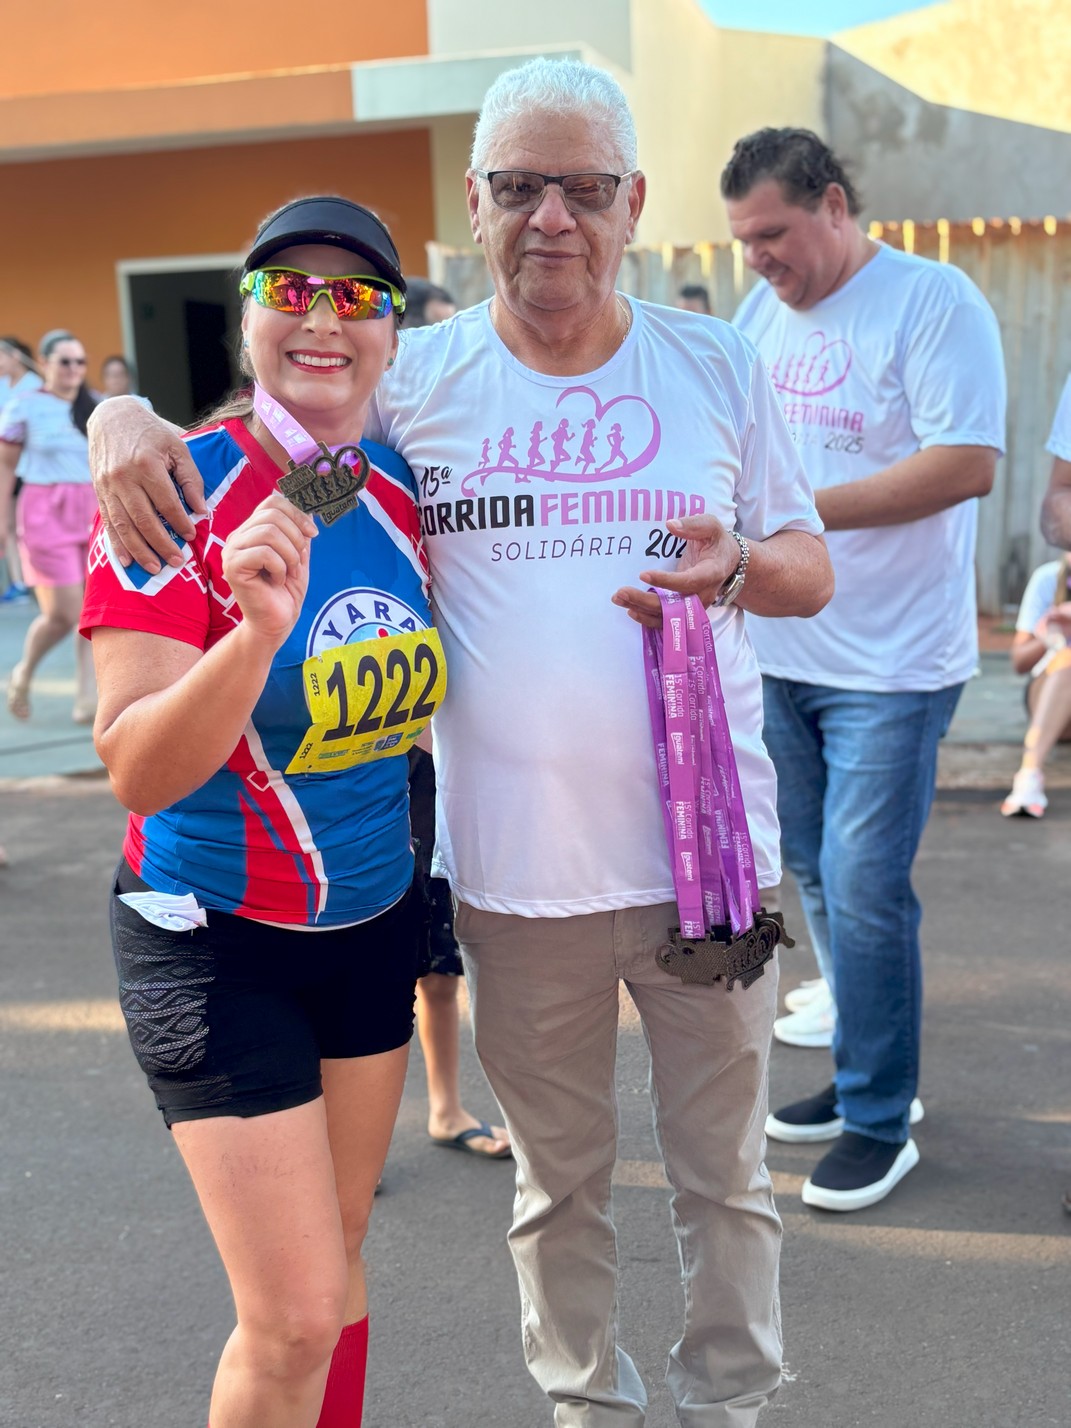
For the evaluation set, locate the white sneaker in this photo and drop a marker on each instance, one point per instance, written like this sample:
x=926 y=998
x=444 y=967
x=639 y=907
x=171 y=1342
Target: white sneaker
x=805 y=993
x=812 y=1026
x=1027 y=795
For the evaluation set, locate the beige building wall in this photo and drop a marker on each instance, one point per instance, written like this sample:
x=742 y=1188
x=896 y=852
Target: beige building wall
x=451 y=144
x=456 y=26
x=673 y=90
x=695 y=90
x=775 y=81
x=1009 y=58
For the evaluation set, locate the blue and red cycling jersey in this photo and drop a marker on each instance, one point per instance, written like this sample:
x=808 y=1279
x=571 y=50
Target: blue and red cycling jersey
x=308 y=849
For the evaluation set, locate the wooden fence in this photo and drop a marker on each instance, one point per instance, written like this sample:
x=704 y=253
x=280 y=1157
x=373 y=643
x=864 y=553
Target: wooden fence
x=1024 y=269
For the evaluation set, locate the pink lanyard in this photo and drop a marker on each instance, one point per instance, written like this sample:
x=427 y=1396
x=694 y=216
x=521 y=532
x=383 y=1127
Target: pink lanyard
x=706 y=823
x=323 y=480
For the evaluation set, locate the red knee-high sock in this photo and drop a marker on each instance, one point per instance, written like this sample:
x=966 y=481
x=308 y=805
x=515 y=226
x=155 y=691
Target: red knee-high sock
x=344 y=1394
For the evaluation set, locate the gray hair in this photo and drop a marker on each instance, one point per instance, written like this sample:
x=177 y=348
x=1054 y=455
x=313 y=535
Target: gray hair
x=562 y=86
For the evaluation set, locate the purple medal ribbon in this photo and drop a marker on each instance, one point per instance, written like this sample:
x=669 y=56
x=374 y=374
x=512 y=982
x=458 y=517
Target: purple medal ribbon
x=706 y=824
x=288 y=431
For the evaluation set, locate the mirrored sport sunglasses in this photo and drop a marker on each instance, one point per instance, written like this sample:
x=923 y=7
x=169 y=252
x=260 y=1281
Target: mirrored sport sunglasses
x=353 y=297
x=523 y=191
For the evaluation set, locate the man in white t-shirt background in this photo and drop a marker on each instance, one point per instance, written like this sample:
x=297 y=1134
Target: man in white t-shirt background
x=569 y=442
x=890 y=374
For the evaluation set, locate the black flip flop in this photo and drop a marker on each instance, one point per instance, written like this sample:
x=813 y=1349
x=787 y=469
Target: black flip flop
x=463 y=1140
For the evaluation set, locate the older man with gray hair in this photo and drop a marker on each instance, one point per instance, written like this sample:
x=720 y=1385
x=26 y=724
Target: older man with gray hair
x=569 y=439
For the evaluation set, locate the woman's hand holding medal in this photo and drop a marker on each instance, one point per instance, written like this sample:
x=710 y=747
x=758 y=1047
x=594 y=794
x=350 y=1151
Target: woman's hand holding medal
x=266 y=564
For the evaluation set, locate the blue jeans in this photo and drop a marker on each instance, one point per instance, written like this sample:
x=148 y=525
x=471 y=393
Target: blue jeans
x=855 y=780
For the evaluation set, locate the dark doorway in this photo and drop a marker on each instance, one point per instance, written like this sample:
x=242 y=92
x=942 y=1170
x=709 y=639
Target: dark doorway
x=206 y=349
x=185 y=328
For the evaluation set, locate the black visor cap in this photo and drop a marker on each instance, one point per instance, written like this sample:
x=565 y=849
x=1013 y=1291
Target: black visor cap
x=335 y=221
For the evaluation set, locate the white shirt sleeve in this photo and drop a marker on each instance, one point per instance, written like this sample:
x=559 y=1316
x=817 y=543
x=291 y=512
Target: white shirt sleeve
x=1038 y=596
x=1059 y=443
x=12 y=422
x=772 y=493
x=953 y=374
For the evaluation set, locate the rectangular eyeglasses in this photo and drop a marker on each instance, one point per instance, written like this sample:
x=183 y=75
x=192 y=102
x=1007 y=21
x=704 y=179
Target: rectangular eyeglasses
x=522 y=191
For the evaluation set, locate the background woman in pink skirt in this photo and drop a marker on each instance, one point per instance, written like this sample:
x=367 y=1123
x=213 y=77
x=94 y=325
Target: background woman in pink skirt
x=42 y=433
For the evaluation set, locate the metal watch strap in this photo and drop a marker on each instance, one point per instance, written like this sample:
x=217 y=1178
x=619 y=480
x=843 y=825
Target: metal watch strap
x=735 y=583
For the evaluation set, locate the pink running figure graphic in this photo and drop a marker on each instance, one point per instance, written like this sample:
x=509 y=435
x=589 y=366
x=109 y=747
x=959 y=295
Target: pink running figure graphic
x=617 y=448
x=505 y=449
x=639 y=431
x=585 y=457
x=535 y=455
x=559 y=437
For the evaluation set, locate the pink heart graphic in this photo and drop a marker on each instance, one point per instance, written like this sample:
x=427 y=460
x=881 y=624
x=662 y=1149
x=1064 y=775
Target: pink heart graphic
x=582 y=444
x=819 y=367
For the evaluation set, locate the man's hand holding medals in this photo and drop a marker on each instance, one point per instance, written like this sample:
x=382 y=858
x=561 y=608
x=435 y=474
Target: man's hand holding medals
x=710 y=559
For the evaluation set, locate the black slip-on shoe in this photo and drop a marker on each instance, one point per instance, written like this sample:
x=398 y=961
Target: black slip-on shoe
x=816 y=1119
x=858 y=1171
x=813 y=1119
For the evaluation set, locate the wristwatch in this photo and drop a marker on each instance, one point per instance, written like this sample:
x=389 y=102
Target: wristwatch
x=735 y=583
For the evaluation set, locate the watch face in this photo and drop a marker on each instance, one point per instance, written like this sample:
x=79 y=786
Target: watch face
x=731 y=590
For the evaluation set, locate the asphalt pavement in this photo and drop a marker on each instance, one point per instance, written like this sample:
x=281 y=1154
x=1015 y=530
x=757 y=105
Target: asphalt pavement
x=946 y=1306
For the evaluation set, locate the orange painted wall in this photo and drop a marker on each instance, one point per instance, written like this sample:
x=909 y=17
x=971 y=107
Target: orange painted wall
x=40 y=126
x=76 y=218
x=76 y=47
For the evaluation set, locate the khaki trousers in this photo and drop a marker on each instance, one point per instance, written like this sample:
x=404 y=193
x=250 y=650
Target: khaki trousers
x=544 y=995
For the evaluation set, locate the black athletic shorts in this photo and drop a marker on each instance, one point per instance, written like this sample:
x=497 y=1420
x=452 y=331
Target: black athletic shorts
x=441 y=952
x=234 y=1018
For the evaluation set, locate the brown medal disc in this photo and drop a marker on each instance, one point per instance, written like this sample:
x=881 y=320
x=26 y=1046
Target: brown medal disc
x=325 y=485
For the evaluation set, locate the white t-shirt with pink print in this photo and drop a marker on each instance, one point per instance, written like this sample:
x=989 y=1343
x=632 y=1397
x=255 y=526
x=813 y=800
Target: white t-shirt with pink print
x=905 y=356
x=541 y=496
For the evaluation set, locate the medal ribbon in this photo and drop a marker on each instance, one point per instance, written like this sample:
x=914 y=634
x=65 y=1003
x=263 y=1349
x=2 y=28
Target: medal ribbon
x=707 y=835
x=288 y=431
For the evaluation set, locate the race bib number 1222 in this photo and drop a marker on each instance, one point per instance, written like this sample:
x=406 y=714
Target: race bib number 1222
x=369 y=700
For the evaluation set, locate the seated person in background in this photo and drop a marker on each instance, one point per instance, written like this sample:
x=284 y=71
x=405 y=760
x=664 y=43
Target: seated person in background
x=1041 y=650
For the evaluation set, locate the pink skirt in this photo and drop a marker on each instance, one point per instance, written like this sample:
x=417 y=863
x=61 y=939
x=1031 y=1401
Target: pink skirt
x=53 y=525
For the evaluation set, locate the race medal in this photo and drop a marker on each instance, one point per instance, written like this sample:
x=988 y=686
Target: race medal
x=324 y=485
x=706 y=960
x=369 y=700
